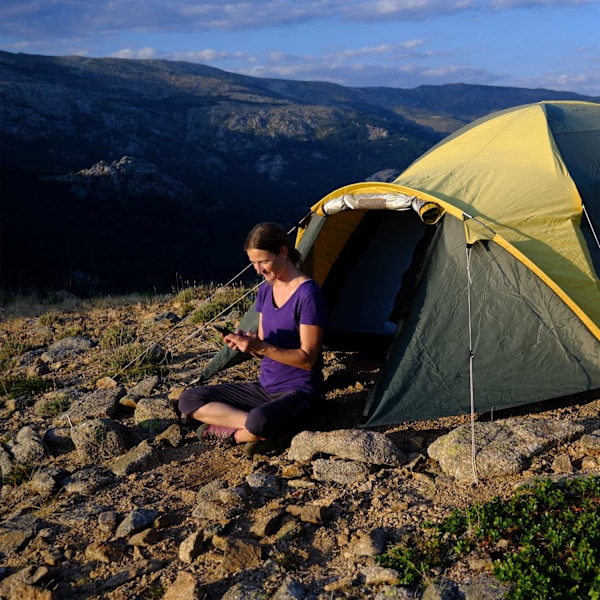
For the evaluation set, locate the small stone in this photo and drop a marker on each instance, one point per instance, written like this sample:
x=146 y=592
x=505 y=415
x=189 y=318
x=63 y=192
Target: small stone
x=106 y=383
x=185 y=585
x=191 y=547
x=148 y=537
x=562 y=464
x=107 y=521
x=107 y=552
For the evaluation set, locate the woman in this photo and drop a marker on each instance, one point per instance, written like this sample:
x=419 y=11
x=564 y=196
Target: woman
x=292 y=316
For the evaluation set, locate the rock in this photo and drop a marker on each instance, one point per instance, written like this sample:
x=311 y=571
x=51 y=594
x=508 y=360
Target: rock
x=107 y=521
x=192 y=547
x=135 y=521
x=245 y=590
x=66 y=349
x=28 y=447
x=394 y=593
x=562 y=464
x=440 y=590
x=591 y=442
x=144 y=387
x=340 y=471
x=380 y=576
x=267 y=524
x=309 y=513
x=59 y=439
x=45 y=481
x=27 y=584
x=502 y=447
x=358 y=445
x=15 y=535
x=138 y=569
x=217 y=502
x=263 y=484
x=38 y=368
x=99 y=404
x=107 y=552
x=98 y=440
x=241 y=555
x=135 y=460
x=370 y=543
x=186 y=586
x=106 y=383
x=172 y=436
x=146 y=537
x=154 y=415
x=290 y=590
x=485 y=587
x=87 y=481
x=590 y=464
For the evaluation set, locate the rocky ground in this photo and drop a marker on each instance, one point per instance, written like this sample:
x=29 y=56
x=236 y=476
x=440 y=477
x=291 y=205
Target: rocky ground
x=158 y=515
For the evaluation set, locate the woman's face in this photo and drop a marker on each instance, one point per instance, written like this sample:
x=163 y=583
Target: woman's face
x=266 y=263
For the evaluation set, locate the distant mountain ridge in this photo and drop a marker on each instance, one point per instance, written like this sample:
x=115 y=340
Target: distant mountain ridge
x=211 y=153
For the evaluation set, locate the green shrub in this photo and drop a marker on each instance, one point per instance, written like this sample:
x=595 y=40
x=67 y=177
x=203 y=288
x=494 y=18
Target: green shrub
x=10 y=349
x=52 y=407
x=549 y=534
x=221 y=302
x=19 y=474
x=48 y=318
x=134 y=362
x=71 y=331
x=187 y=295
x=117 y=335
x=15 y=386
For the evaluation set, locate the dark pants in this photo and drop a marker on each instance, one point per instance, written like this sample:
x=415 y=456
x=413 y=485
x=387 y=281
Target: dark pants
x=268 y=415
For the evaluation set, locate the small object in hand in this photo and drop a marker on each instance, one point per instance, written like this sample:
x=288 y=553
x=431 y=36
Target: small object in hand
x=222 y=329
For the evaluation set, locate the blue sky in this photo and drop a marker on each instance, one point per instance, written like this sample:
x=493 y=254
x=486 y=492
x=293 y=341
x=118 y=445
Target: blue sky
x=553 y=44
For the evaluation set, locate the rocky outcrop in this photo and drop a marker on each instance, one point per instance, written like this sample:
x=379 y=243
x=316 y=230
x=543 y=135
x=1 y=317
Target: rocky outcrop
x=147 y=159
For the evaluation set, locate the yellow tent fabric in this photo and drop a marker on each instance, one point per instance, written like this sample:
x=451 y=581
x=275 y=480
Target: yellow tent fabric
x=508 y=173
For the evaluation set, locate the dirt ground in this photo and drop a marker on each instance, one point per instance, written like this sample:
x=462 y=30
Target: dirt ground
x=67 y=524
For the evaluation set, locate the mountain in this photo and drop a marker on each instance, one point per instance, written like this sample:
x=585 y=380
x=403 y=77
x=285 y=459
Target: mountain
x=123 y=175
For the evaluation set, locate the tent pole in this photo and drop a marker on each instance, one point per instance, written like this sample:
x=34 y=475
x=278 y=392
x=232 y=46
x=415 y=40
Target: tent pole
x=473 y=445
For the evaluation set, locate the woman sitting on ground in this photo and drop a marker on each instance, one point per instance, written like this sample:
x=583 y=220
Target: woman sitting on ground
x=292 y=316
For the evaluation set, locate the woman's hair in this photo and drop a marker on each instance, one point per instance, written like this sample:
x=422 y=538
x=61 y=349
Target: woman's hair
x=272 y=238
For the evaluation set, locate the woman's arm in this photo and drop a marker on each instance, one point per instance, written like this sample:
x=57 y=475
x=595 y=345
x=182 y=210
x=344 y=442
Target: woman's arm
x=305 y=357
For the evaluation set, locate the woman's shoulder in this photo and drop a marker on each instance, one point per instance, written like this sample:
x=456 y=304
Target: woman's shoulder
x=310 y=286
x=310 y=290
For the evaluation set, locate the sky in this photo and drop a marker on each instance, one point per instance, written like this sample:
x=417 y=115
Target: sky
x=552 y=44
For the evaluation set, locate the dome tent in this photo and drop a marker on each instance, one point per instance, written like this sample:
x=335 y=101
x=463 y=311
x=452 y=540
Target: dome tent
x=486 y=295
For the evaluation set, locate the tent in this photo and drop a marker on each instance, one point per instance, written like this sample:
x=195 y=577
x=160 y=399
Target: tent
x=475 y=271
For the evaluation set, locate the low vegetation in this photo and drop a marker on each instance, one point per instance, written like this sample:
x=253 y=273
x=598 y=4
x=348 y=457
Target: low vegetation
x=545 y=541
x=204 y=304
x=15 y=386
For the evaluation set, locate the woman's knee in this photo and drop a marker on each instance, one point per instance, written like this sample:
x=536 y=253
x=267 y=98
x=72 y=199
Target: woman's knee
x=190 y=401
x=258 y=423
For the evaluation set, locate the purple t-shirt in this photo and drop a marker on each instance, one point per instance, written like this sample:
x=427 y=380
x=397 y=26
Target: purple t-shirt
x=281 y=327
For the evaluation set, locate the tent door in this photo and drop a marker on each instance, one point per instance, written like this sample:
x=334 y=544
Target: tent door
x=369 y=287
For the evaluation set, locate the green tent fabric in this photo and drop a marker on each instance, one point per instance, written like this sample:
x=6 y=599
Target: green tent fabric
x=476 y=269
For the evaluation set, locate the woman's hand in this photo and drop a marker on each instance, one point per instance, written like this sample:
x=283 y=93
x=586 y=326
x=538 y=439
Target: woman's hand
x=311 y=339
x=243 y=341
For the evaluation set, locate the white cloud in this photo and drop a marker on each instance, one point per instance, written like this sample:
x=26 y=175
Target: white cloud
x=142 y=53
x=367 y=52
